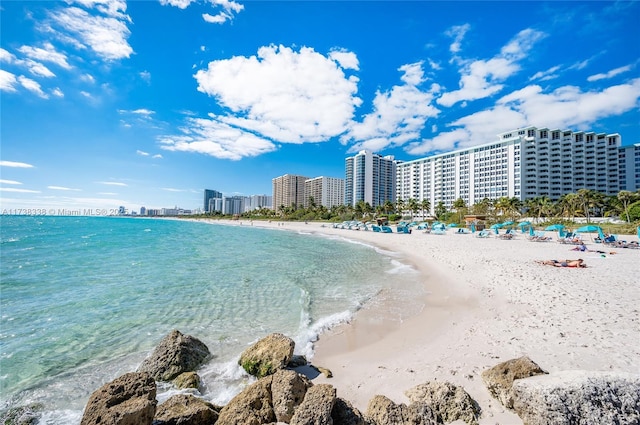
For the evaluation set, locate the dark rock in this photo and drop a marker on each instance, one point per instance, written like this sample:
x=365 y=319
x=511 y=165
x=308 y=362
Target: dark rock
x=383 y=411
x=449 y=402
x=176 y=353
x=185 y=409
x=499 y=378
x=344 y=413
x=288 y=389
x=23 y=415
x=578 y=398
x=271 y=353
x=187 y=380
x=252 y=406
x=127 y=400
x=297 y=361
x=316 y=407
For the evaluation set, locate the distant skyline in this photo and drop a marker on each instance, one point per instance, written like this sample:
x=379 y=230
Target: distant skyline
x=148 y=103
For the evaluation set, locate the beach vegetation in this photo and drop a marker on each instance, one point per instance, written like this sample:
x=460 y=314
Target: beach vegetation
x=257 y=369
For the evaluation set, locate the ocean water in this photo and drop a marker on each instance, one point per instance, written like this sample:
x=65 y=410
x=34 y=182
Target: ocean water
x=85 y=299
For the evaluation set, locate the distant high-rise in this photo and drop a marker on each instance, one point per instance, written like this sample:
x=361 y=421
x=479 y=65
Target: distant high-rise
x=524 y=163
x=288 y=190
x=371 y=178
x=209 y=196
x=326 y=191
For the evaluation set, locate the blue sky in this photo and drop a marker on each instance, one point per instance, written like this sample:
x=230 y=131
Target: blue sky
x=108 y=103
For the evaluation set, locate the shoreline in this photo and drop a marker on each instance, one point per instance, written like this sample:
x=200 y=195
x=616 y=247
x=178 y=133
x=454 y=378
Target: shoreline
x=488 y=301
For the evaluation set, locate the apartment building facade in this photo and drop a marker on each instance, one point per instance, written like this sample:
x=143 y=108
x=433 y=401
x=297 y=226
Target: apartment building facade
x=288 y=190
x=630 y=168
x=371 y=178
x=210 y=203
x=524 y=163
x=325 y=191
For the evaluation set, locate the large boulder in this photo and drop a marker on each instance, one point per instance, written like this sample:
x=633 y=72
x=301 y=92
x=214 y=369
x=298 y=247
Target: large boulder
x=450 y=402
x=127 y=400
x=271 y=353
x=185 y=409
x=187 y=380
x=176 y=353
x=22 y=415
x=344 y=413
x=499 y=379
x=383 y=411
x=288 y=389
x=316 y=407
x=252 y=406
x=578 y=398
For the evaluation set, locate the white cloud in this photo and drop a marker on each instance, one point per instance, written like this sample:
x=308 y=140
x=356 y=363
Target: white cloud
x=609 y=74
x=143 y=111
x=8 y=81
x=482 y=78
x=180 y=4
x=2 y=181
x=38 y=69
x=32 y=86
x=157 y=156
x=15 y=164
x=57 y=92
x=146 y=76
x=47 y=53
x=398 y=116
x=279 y=95
x=113 y=183
x=142 y=153
x=170 y=189
x=5 y=56
x=63 y=188
x=346 y=59
x=215 y=138
x=16 y=190
x=549 y=74
x=105 y=35
x=564 y=107
x=229 y=8
x=457 y=33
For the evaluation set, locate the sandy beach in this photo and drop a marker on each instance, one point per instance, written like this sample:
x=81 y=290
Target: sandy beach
x=488 y=301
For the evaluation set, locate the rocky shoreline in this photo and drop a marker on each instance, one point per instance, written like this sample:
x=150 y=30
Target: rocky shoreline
x=283 y=395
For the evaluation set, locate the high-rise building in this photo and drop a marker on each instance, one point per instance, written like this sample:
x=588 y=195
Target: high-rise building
x=256 y=202
x=370 y=177
x=630 y=168
x=288 y=190
x=209 y=200
x=326 y=191
x=524 y=163
x=232 y=205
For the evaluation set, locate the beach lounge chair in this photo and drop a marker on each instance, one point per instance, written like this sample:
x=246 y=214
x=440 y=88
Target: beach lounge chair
x=386 y=229
x=483 y=234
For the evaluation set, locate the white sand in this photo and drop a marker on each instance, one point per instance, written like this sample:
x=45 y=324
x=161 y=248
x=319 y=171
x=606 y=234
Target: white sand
x=489 y=302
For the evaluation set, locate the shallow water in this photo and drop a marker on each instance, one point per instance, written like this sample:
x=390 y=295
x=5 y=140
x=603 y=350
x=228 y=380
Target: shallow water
x=85 y=299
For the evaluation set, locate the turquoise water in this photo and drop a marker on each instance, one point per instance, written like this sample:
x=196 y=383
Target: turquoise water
x=85 y=299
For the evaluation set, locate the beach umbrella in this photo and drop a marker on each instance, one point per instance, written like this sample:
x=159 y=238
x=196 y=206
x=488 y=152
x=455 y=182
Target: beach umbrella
x=452 y=225
x=555 y=227
x=524 y=223
x=496 y=226
x=589 y=229
x=508 y=223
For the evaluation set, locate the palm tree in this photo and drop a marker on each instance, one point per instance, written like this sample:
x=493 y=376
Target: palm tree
x=425 y=205
x=483 y=207
x=502 y=205
x=413 y=206
x=626 y=198
x=400 y=206
x=590 y=200
x=388 y=206
x=459 y=205
x=440 y=210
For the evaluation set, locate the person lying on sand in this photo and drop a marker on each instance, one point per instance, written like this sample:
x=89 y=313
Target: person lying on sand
x=582 y=247
x=566 y=263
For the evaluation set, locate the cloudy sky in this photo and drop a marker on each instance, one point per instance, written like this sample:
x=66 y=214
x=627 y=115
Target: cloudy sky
x=147 y=103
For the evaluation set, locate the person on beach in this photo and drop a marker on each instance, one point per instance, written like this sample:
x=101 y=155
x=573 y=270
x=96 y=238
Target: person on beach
x=579 y=263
